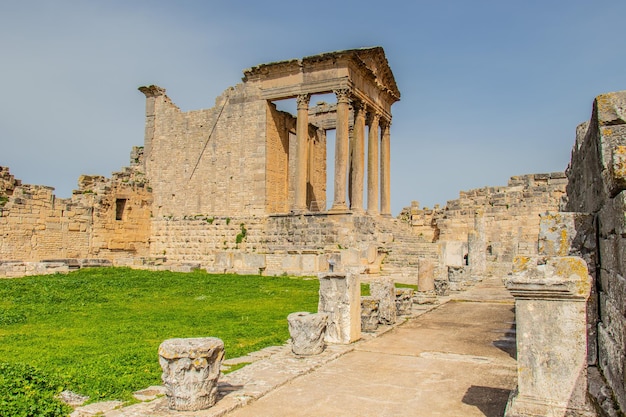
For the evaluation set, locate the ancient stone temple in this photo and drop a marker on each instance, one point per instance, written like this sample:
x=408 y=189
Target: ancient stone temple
x=244 y=157
x=242 y=187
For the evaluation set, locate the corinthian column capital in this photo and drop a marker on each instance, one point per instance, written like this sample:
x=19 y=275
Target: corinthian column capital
x=303 y=101
x=343 y=95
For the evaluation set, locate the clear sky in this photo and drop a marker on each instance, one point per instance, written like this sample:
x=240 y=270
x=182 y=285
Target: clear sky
x=490 y=89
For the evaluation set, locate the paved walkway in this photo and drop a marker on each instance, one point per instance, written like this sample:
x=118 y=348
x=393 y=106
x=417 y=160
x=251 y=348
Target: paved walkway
x=455 y=359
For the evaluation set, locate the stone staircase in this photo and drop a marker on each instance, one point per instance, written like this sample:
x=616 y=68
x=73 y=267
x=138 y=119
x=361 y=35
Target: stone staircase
x=405 y=251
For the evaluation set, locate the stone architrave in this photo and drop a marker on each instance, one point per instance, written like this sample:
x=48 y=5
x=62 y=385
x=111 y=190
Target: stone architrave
x=550 y=311
x=404 y=301
x=191 y=368
x=369 y=314
x=340 y=298
x=307 y=332
x=384 y=291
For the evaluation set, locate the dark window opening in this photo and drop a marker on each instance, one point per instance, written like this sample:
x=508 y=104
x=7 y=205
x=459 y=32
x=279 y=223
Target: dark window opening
x=120 y=203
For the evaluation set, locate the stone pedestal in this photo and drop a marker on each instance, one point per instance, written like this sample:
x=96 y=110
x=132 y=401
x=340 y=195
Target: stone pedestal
x=404 y=301
x=340 y=298
x=425 y=275
x=307 y=332
x=458 y=278
x=442 y=287
x=550 y=311
x=384 y=291
x=477 y=247
x=369 y=314
x=191 y=368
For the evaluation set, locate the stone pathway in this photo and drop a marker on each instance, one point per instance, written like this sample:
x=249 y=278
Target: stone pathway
x=453 y=359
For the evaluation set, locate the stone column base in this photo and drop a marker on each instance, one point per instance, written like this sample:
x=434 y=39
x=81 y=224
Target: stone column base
x=525 y=406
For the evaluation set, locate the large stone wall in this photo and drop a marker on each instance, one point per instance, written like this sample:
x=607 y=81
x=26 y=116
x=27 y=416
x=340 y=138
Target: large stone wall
x=508 y=216
x=104 y=218
x=597 y=185
x=207 y=161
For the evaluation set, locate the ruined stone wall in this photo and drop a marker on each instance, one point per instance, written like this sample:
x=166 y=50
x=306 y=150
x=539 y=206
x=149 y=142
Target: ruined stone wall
x=597 y=184
x=207 y=161
x=294 y=244
x=280 y=126
x=104 y=218
x=510 y=215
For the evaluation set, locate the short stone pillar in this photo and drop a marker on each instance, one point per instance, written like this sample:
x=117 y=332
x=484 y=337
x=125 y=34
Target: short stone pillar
x=458 y=278
x=404 y=301
x=191 y=368
x=384 y=291
x=307 y=332
x=425 y=283
x=477 y=247
x=425 y=275
x=550 y=311
x=442 y=287
x=369 y=314
x=340 y=298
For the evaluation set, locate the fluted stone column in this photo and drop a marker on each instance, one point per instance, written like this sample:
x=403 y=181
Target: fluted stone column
x=341 y=149
x=302 y=136
x=385 y=170
x=358 y=158
x=372 y=165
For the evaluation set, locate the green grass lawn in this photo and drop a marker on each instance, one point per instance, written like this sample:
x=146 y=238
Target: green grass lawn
x=98 y=330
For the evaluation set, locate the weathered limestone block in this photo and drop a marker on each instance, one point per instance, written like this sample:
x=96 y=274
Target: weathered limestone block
x=453 y=252
x=191 y=368
x=425 y=275
x=369 y=314
x=611 y=108
x=404 y=301
x=384 y=291
x=550 y=311
x=307 y=332
x=340 y=297
x=477 y=247
x=574 y=234
x=458 y=278
x=442 y=287
x=563 y=234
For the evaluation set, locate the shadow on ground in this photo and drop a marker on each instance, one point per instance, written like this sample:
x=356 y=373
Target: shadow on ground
x=490 y=401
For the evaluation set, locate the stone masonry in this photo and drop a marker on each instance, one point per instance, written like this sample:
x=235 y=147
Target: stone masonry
x=597 y=188
x=241 y=187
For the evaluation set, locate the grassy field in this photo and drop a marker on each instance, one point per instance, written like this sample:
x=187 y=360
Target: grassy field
x=98 y=330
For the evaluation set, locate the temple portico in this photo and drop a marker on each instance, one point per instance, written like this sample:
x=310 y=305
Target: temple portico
x=365 y=89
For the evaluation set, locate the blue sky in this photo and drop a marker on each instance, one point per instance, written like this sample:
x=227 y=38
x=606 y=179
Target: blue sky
x=490 y=89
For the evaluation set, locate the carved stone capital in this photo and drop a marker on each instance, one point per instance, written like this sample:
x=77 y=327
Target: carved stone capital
x=373 y=117
x=343 y=95
x=357 y=104
x=303 y=101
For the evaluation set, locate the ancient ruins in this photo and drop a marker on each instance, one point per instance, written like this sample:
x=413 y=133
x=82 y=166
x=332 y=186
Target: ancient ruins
x=241 y=187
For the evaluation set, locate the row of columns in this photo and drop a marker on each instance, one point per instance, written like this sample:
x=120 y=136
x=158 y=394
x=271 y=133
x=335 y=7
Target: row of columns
x=349 y=151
